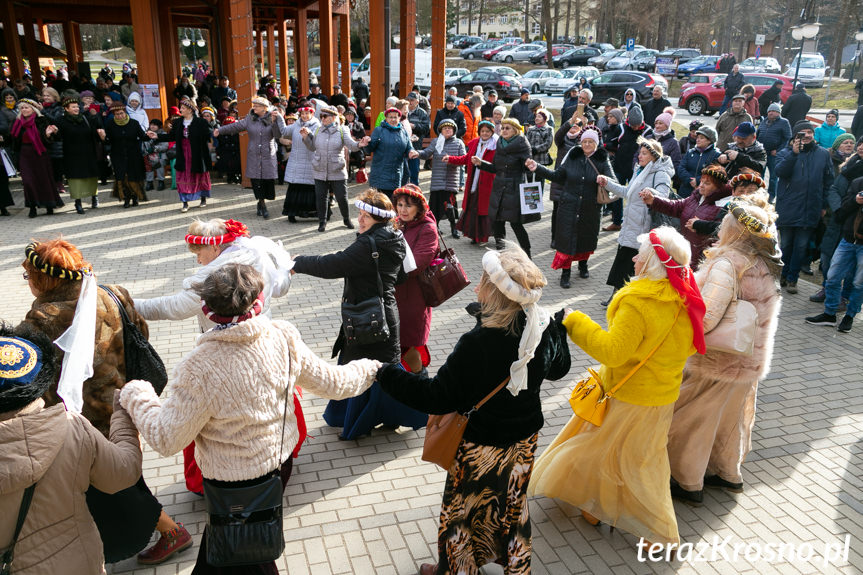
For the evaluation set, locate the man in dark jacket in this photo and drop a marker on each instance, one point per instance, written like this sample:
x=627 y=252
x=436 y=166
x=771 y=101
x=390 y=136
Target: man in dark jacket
x=770 y=96
x=450 y=112
x=521 y=109
x=733 y=83
x=315 y=92
x=848 y=256
x=805 y=173
x=744 y=152
x=857 y=123
x=797 y=105
x=419 y=121
x=339 y=98
x=774 y=133
x=654 y=107
x=570 y=101
x=361 y=90
x=624 y=150
x=487 y=110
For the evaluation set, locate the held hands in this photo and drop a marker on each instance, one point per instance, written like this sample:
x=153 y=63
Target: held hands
x=101 y=133
x=152 y=135
x=304 y=132
x=413 y=154
x=275 y=114
x=530 y=165
x=445 y=159
x=646 y=196
x=475 y=161
x=690 y=224
x=601 y=180
x=722 y=159
x=51 y=130
x=365 y=141
x=216 y=133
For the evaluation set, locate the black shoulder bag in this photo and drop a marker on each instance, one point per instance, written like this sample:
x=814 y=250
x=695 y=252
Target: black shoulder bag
x=244 y=524
x=365 y=322
x=9 y=552
x=142 y=361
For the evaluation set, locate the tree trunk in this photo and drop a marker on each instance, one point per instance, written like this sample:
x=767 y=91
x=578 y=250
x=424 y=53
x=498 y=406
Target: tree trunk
x=556 y=21
x=527 y=20
x=481 y=13
x=469 y=17
x=845 y=18
x=577 y=31
x=546 y=27
x=568 y=14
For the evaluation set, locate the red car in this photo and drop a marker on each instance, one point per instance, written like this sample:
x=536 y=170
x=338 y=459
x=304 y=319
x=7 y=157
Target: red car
x=703 y=94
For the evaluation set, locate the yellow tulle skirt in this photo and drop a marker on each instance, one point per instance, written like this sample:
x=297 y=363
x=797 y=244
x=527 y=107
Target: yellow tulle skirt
x=619 y=472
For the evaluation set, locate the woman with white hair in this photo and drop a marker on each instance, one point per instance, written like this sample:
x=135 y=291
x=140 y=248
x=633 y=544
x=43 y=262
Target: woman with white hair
x=31 y=135
x=618 y=473
x=711 y=431
x=484 y=514
x=497 y=115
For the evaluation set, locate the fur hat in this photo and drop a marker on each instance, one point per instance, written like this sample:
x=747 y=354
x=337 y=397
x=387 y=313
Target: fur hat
x=652 y=146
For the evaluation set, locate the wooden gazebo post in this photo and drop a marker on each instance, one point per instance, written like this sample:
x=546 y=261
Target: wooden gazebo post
x=438 y=56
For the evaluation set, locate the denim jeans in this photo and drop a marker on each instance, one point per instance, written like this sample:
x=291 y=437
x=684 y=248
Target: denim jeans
x=774 y=178
x=794 y=242
x=414 y=166
x=726 y=101
x=847 y=257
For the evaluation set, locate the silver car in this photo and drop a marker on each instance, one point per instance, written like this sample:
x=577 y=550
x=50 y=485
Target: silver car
x=601 y=60
x=535 y=79
x=769 y=65
x=520 y=53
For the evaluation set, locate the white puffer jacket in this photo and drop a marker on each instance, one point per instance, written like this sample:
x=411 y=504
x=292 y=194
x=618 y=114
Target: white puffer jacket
x=266 y=256
x=636 y=215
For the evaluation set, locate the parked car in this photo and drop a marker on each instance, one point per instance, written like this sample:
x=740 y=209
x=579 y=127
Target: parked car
x=698 y=65
x=683 y=55
x=520 y=53
x=536 y=79
x=600 y=61
x=476 y=50
x=645 y=60
x=502 y=70
x=575 y=57
x=467 y=41
x=812 y=70
x=705 y=97
x=604 y=46
x=769 y=65
x=454 y=73
x=629 y=60
x=637 y=47
x=541 y=56
x=570 y=76
x=613 y=84
x=508 y=87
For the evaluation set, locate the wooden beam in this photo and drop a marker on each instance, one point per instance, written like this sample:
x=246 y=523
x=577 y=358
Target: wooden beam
x=377 y=44
x=148 y=50
x=327 y=78
x=238 y=33
x=260 y=50
x=43 y=31
x=438 y=54
x=60 y=14
x=170 y=52
x=301 y=51
x=70 y=39
x=284 y=69
x=345 y=51
x=13 y=44
x=407 y=49
x=32 y=52
x=79 y=44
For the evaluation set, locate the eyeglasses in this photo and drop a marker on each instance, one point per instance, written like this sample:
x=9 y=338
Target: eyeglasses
x=25 y=275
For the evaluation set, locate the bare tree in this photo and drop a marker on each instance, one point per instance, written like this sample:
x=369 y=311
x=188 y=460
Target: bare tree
x=568 y=13
x=481 y=16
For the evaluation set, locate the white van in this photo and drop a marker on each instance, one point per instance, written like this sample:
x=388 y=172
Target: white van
x=422 y=69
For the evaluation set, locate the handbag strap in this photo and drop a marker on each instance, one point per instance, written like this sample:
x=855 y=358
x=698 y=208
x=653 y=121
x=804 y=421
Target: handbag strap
x=285 y=410
x=114 y=297
x=375 y=256
x=592 y=165
x=648 y=356
x=8 y=555
x=489 y=396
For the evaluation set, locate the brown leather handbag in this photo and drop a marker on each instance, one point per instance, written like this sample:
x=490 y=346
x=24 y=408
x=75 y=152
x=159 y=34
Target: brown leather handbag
x=444 y=433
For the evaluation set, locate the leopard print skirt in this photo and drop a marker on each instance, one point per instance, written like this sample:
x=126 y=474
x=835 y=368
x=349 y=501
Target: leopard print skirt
x=484 y=517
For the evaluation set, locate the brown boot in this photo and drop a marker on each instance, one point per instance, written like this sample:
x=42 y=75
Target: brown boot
x=169 y=543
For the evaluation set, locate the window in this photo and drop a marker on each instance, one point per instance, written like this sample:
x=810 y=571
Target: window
x=504 y=19
x=468 y=78
x=536 y=30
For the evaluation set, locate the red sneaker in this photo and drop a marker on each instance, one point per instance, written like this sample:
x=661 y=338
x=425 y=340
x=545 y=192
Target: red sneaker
x=168 y=544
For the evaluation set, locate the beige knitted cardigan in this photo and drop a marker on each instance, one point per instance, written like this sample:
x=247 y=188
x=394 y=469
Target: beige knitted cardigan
x=228 y=396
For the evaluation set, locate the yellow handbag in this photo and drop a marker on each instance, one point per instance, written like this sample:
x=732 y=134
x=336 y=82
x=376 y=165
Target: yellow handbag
x=589 y=399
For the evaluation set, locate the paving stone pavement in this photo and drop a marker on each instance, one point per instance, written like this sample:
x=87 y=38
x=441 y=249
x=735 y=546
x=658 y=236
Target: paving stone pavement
x=371 y=506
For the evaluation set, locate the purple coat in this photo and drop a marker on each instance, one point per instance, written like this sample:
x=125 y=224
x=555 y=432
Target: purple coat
x=422 y=238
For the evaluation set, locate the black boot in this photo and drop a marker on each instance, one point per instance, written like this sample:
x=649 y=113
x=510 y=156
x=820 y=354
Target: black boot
x=94 y=203
x=4 y=212
x=126 y=202
x=322 y=226
x=451 y=216
x=149 y=186
x=134 y=202
x=582 y=269
x=32 y=213
x=161 y=185
x=49 y=211
x=78 y=207
x=564 y=278
x=346 y=214
x=264 y=213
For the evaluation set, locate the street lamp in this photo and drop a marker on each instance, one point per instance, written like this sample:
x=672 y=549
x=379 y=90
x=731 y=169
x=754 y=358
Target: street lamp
x=803 y=32
x=859 y=37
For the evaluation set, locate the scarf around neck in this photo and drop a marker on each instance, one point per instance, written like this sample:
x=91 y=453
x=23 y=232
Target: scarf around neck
x=28 y=125
x=75 y=118
x=122 y=122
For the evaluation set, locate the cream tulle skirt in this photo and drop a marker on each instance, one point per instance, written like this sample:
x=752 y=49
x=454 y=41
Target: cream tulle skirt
x=619 y=472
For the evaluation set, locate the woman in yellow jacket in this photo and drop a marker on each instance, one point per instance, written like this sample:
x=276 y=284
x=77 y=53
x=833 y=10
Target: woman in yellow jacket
x=619 y=473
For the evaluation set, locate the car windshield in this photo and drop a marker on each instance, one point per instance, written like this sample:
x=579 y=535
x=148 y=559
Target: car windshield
x=569 y=73
x=809 y=62
x=533 y=74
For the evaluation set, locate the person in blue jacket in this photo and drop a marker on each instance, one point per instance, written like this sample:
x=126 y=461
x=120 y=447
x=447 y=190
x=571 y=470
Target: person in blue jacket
x=699 y=156
x=774 y=133
x=390 y=144
x=829 y=130
x=805 y=173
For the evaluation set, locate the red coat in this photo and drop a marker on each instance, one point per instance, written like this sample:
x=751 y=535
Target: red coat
x=415 y=318
x=485 y=178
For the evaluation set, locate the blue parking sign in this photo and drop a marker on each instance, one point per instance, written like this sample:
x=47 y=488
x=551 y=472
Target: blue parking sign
x=630 y=44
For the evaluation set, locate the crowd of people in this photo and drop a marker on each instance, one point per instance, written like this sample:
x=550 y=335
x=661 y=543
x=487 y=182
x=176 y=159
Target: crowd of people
x=702 y=228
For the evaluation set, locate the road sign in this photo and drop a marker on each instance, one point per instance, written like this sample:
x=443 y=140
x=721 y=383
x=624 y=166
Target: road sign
x=713 y=43
x=757 y=52
x=759 y=39
x=630 y=44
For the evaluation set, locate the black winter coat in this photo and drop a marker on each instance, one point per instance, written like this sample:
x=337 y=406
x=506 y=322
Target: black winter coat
x=510 y=172
x=126 y=155
x=455 y=115
x=563 y=144
x=796 y=107
x=356 y=265
x=652 y=108
x=769 y=96
x=578 y=214
x=80 y=142
x=625 y=149
x=733 y=83
x=846 y=215
x=199 y=137
x=479 y=362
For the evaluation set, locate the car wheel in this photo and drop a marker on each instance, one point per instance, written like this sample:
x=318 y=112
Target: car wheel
x=696 y=105
x=508 y=59
x=469 y=57
x=534 y=89
x=565 y=64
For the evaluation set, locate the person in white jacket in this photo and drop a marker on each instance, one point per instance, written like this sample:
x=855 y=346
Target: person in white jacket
x=231 y=392
x=135 y=110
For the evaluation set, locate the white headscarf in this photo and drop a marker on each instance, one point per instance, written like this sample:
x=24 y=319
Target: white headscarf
x=537 y=318
x=79 y=343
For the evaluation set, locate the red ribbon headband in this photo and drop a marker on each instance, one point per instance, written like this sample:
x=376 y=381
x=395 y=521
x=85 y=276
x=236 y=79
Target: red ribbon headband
x=233 y=230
